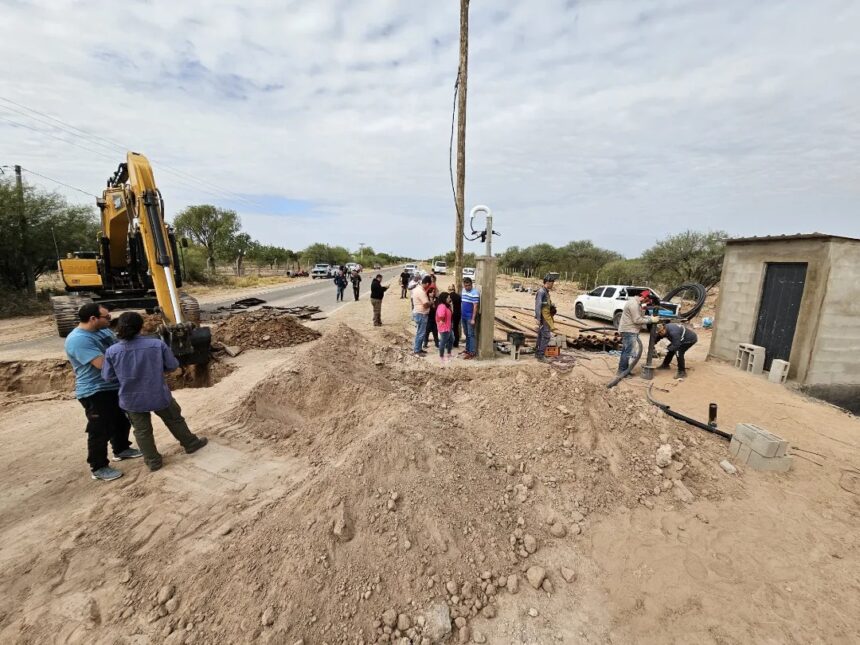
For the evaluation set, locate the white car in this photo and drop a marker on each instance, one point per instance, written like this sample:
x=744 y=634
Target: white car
x=353 y=266
x=321 y=271
x=412 y=269
x=440 y=267
x=606 y=301
x=469 y=272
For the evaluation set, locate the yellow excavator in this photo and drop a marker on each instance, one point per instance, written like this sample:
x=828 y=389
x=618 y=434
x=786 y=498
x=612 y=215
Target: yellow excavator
x=136 y=266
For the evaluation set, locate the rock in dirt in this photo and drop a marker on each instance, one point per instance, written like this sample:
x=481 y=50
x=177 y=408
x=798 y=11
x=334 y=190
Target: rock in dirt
x=478 y=637
x=530 y=543
x=513 y=583
x=389 y=617
x=534 y=613
x=558 y=530
x=232 y=350
x=569 y=575
x=726 y=465
x=342 y=526
x=437 y=622
x=403 y=622
x=664 y=455
x=529 y=480
x=535 y=575
x=166 y=593
x=268 y=618
x=547 y=585
x=489 y=611
x=682 y=493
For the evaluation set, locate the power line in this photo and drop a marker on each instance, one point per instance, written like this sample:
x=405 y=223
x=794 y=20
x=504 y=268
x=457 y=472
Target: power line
x=102 y=154
x=57 y=181
x=223 y=192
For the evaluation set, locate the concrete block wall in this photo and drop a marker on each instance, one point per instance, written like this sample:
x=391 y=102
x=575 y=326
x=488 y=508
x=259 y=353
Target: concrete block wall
x=836 y=354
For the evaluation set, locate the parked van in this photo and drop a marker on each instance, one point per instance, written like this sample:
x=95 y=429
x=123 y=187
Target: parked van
x=440 y=267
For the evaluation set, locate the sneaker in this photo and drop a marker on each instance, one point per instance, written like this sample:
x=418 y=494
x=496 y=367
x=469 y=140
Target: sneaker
x=128 y=453
x=680 y=376
x=106 y=474
x=197 y=445
x=419 y=354
x=468 y=356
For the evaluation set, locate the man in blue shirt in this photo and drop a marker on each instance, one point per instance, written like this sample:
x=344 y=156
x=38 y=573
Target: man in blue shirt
x=469 y=300
x=106 y=422
x=138 y=364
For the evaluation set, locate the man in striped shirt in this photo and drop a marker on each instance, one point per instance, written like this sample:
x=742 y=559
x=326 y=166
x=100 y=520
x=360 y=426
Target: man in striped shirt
x=470 y=298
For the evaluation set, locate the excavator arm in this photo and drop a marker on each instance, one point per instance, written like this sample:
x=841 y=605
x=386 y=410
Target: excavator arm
x=189 y=342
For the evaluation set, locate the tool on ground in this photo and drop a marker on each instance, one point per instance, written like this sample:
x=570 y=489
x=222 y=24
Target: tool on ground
x=136 y=265
x=517 y=339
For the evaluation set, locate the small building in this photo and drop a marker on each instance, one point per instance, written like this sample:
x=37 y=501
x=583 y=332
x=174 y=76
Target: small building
x=798 y=296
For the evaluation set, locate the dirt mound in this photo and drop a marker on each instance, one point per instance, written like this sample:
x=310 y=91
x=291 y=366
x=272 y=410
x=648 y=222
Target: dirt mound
x=429 y=495
x=262 y=329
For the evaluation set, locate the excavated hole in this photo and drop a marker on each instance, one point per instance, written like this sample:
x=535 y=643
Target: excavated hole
x=56 y=376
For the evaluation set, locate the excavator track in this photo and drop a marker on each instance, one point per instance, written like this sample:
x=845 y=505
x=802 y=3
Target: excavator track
x=66 y=312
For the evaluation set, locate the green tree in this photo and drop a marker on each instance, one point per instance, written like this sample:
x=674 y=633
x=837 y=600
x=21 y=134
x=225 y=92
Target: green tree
x=690 y=256
x=211 y=227
x=48 y=217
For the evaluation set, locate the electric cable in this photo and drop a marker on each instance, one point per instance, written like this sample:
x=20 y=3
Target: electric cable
x=451 y=160
x=95 y=139
x=57 y=181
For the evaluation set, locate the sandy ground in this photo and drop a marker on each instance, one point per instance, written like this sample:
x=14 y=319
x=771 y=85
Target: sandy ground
x=347 y=482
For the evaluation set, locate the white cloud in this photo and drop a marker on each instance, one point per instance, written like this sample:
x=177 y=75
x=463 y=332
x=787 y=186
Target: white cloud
x=618 y=121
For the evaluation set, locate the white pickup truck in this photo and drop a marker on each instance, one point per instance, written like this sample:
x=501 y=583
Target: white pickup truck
x=321 y=271
x=606 y=301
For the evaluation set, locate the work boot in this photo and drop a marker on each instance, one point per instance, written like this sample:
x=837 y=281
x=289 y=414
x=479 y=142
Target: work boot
x=155 y=465
x=197 y=445
x=128 y=453
x=680 y=375
x=106 y=474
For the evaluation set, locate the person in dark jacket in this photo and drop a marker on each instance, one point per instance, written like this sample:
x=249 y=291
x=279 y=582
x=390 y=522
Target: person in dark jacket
x=404 y=283
x=340 y=282
x=355 y=278
x=455 y=313
x=432 y=292
x=377 y=292
x=681 y=338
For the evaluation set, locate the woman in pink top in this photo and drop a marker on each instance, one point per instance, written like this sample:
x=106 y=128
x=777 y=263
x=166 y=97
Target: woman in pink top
x=443 y=324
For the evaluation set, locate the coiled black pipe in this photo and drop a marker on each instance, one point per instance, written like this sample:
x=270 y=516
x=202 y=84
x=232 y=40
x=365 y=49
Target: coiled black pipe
x=686 y=419
x=700 y=292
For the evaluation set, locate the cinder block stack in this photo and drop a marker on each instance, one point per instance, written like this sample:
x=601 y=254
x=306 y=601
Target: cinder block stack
x=759 y=449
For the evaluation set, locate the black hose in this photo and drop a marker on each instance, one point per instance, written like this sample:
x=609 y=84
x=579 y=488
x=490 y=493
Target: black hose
x=700 y=292
x=633 y=362
x=686 y=419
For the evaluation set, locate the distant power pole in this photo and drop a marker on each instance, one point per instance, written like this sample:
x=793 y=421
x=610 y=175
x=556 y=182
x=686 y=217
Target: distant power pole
x=29 y=280
x=462 y=75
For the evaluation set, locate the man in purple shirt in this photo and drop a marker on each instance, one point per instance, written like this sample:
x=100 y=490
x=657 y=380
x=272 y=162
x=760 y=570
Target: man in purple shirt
x=139 y=363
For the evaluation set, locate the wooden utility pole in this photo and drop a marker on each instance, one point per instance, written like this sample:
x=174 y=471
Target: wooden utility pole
x=462 y=75
x=27 y=270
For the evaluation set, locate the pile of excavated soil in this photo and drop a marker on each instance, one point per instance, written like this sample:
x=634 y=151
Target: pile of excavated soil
x=428 y=495
x=262 y=329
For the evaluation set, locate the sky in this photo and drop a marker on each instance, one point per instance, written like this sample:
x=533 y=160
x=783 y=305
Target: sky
x=618 y=121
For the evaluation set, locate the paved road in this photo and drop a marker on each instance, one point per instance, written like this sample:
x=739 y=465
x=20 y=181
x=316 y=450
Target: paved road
x=319 y=292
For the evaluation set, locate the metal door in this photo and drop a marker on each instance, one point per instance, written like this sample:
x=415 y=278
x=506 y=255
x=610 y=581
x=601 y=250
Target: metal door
x=780 y=304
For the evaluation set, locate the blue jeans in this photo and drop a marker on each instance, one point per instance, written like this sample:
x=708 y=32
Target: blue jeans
x=420 y=331
x=628 y=342
x=469 y=333
x=446 y=342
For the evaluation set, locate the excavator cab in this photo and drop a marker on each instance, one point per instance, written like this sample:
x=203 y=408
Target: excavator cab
x=136 y=265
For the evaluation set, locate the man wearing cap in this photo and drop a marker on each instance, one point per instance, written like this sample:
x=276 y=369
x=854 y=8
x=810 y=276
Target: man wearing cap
x=632 y=321
x=544 y=311
x=469 y=300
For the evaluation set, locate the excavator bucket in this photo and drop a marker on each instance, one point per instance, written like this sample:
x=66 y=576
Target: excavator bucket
x=190 y=344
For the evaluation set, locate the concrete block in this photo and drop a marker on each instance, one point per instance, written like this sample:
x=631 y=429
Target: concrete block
x=743 y=453
x=778 y=371
x=770 y=464
x=735 y=446
x=760 y=440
